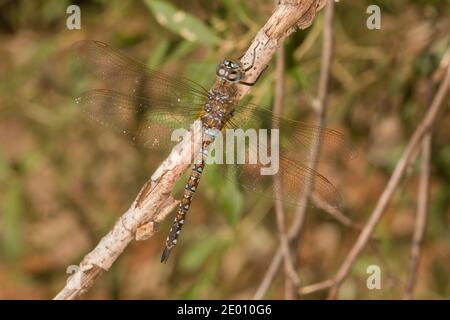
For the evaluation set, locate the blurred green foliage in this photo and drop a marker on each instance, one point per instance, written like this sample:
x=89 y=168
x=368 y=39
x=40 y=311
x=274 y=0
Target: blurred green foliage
x=181 y=23
x=64 y=181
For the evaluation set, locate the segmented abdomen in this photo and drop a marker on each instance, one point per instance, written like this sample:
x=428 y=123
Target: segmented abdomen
x=185 y=203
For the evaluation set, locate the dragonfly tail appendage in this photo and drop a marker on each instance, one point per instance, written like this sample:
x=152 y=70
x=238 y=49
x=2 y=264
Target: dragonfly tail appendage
x=174 y=232
x=165 y=255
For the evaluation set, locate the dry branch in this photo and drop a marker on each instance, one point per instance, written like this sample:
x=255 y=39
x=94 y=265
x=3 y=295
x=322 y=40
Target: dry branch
x=323 y=89
x=153 y=202
x=423 y=196
x=421 y=131
x=295 y=230
x=289 y=268
x=421 y=215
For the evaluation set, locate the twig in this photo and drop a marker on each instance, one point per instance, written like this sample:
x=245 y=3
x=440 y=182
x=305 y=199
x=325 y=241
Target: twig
x=85 y=277
x=334 y=212
x=423 y=198
x=149 y=207
x=394 y=180
x=269 y=275
x=294 y=231
x=423 y=193
x=289 y=269
x=276 y=258
x=319 y=286
x=327 y=52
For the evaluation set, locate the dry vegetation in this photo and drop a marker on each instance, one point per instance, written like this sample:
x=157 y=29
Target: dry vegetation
x=64 y=181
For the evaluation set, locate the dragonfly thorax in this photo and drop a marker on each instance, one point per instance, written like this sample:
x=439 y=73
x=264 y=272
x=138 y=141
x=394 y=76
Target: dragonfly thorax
x=219 y=108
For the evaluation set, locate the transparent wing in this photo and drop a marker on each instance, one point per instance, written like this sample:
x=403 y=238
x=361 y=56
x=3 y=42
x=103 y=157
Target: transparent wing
x=114 y=68
x=144 y=104
x=134 y=117
x=296 y=138
x=286 y=155
x=258 y=177
x=293 y=178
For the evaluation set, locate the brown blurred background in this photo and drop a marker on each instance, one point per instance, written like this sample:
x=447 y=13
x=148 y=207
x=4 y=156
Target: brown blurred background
x=64 y=181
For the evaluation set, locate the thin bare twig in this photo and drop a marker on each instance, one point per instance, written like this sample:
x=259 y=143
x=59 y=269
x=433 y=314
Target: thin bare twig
x=269 y=276
x=394 y=180
x=335 y=213
x=276 y=258
x=319 y=286
x=291 y=274
x=295 y=230
x=150 y=205
x=421 y=215
x=323 y=89
x=321 y=113
x=423 y=192
x=423 y=198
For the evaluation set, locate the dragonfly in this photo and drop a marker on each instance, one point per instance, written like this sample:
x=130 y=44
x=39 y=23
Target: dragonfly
x=147 y=105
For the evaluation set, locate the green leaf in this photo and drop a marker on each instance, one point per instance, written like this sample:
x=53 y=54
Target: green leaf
x=197 y=253
x=183 y=49
x=225 y=192
x=231 y=201
x=182 y=23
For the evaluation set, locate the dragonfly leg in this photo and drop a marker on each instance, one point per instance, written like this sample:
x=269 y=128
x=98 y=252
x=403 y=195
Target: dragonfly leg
x=251 y=66
x=256 y=80
x=253 y=59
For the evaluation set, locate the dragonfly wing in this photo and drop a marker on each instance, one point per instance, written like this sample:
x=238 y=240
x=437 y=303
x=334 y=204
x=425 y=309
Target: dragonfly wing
x=296 y=138
x=293 y=177
x=293 y=180
x=118 y=72
x=288 y=153
x=134 y=117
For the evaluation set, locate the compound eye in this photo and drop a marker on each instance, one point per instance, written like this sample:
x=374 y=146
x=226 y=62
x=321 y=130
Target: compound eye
x=232 y=75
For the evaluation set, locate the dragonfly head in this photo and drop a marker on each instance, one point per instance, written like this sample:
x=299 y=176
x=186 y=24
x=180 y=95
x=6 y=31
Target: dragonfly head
x=229 y=70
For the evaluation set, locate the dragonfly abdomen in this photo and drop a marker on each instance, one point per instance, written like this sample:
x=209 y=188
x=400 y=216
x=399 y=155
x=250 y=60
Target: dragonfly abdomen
x=183 y=208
